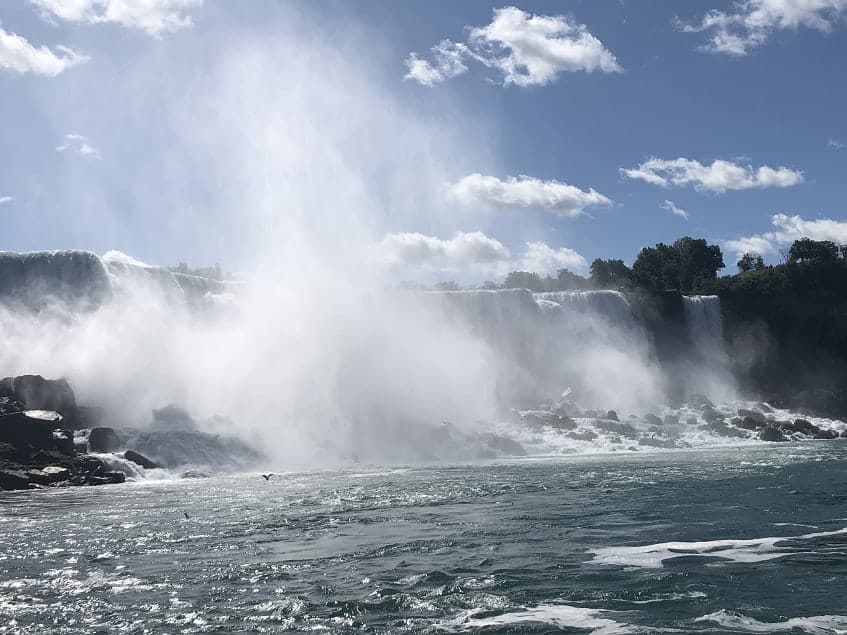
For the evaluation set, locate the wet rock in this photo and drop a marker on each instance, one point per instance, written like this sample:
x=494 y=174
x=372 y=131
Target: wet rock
x=749 y=423
x=38 y=476
x=656 y=443
x=13 y=480
x=771 y=434
x=652 y=419
x=671 y=420
x=711 y=415
x=757 y=418
x=538 y=420
x=584 y=435
x=107 y=478
x=37 y=393
x=103 y=440
x=63 y=441
x=504 y=445
x=140 y=459
x=700 y=401
x=30 y=429
x=844 y=434
x=56 y=472
x=827 y=434
x=623 y=429
x=721 y=428
x=805 y=426
x=612 y=415
x=692 y=421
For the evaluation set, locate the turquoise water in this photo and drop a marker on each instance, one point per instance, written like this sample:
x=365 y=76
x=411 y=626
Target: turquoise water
x=567 y=545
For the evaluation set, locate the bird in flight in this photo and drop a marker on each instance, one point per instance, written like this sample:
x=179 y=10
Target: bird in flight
x=186 y=514
x=267 y=477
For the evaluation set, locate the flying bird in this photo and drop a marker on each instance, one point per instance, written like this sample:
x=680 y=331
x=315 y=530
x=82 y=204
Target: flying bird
x=267 y=477
x=186 y=514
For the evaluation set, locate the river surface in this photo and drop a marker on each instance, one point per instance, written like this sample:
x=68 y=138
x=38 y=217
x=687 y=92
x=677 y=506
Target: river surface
x=750 y=540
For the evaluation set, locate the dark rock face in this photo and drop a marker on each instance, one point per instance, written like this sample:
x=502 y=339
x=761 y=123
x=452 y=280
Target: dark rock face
x=64 y=441
x=140 y=459
x=771 y=434
x=37 y=393
x=13 y=480
x=31 y=430
x=104 y=440
x=758 y=419
x=612 y=415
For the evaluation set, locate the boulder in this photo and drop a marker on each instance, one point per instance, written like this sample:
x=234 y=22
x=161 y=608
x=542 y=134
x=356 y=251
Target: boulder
x=652 y=419
x=56 y=472
x=140 y=459
x=64 y=441
x=671 y=420
x=748 y=423
x=31 y=428
x=107 y=478
x=771 y=434
x=826 y=434
x=103 y=440
x=656 y=443
x=13 y=480
x=612 y=415
x=805 y=426
x=710 y=414
x=38 y=476
x=757 y=418
x=504 y=445
x=37 y=393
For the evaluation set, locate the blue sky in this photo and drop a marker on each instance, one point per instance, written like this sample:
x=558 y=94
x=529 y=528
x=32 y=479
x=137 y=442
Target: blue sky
x=203 y=131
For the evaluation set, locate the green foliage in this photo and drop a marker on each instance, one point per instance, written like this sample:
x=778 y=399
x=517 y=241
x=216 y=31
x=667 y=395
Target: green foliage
x=813 y=252
x=564 y=281
x=751 y=261
x=607 y=274
x=689 y=265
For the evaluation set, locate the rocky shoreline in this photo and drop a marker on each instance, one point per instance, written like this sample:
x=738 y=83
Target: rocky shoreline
x=48 y=440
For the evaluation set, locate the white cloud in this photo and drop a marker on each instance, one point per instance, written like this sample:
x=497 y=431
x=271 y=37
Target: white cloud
x=154 y=17
x=787 y=230
x=448 y=62
x=543 y=259
x=525 y=192
x=834 y=143
x=526 y=49
x=753 y=21
x=6 y=199
x=19 y=56
x=673 y=209
x=473 y=253
x=719 y=176
x=78 y=144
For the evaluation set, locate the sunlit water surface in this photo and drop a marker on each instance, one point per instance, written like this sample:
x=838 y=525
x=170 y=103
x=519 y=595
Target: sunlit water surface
x=725 y=541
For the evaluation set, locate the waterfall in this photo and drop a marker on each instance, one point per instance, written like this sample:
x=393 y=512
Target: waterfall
x=612 y=306
x=703 y=320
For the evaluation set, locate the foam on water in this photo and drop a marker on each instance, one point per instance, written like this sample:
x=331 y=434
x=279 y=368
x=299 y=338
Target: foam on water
x=561 y=615
x=816 y=625
x=740 y=551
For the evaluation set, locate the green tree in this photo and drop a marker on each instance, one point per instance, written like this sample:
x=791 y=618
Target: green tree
x=751 y=261
x=690 y=264
x=610 y=273
x=813 y=252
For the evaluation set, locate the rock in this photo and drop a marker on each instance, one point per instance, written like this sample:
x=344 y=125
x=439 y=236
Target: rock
x=805 y=426
x=749 y=423
x=771 y=434
x=656 y=443
x=844 y=434
x=671 y=420
x=612 y=415
x=765 y=407
x=652 y=419
x=537 y=420
x=585 y=435
x=107 y=478
x=31 y=428
x=140 y=459
x=56 y=472
x=700 y=401
x=13 y=480
x=756 y=417
x=721 y=428
x=826 y=434
x=37 y=393
x=613 y=426
x=710 y=414
x=103 y=440
x=692 y=421
x=194 y=474
x=64 y=441
x=173 y=419
x=38 y=476
x=504 y=445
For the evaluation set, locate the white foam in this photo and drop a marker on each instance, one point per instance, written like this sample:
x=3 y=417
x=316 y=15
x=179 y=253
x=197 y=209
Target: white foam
x=561 y=615
x=817 y=625
x=743 y=551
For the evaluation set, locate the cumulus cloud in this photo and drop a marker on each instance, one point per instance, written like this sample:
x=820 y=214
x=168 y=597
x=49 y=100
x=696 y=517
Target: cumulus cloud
x=525 y=192
x=19 y=56
x=78 y=144
x=154 y=17
x=473 y=253
x=673 y=209
x=525 y=49
x=6 y=199
x=752 y=22
x=834 y=143
x=787 y=230
x=718 y=176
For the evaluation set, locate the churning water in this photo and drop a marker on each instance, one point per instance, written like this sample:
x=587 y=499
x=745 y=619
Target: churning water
x=750 y=540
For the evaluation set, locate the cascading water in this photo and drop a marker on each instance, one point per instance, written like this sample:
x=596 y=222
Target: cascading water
x=709 y=369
